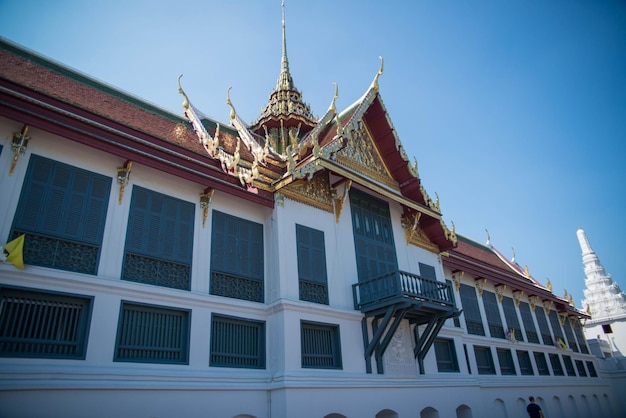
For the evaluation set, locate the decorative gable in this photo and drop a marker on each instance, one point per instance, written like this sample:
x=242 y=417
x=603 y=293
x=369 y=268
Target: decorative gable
x=362 y=155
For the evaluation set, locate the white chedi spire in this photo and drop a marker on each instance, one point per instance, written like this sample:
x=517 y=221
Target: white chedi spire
x=603 y=297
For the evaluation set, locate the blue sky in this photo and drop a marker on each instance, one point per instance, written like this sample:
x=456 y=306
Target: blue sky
x=515 y=110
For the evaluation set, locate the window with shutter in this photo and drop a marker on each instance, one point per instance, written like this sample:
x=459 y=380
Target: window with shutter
x=471 y=310
x=152 y=334
x=525 y=366
x=546 y=336
x=36 y=323
x=159 y=240
x=493 y=315
x=542 y=364
x=484 y=360
x=62 y=210
x=557 y=368
x=237 y=267
x=510 y=315
x=311 y=265
x=569 y=366
x=556 y=326
x=505 y=358
x=569 y=333
x=237 y=342
x=445 y=354
x=373 y=237
x=320 y=345
x=529 y=324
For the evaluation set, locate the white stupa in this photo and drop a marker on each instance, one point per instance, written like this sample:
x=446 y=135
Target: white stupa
x=606 y=302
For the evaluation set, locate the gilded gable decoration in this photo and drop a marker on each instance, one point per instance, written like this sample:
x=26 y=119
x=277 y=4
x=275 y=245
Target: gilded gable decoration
x=414 y=233
x=361 y=155
x=315 y=192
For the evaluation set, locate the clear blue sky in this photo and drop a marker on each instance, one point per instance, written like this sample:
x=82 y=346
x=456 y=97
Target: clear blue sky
x=515 y=110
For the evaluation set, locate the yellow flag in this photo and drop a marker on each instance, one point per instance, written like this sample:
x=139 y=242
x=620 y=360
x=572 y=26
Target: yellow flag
x=15 y=249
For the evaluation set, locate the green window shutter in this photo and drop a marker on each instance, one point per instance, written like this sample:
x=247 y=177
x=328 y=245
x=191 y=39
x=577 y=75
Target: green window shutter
x=43 y=324
x=471 y=310
x=373 y=237
x=311 y=265
x=320 y=345
x=493 y=315
x=557 y=368
x=237 y=342
x=152 y=334
x=237 y=267
x=160 y=226
x=62 y=209
x=529 y=324
x=542 y=364
x=525 y=366
x=543 y=326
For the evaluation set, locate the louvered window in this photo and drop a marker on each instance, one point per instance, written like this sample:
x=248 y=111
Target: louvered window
x=311 y=265
x=505 y=358
x=159 y=240
x=471 y=311
x=62 y=210
x=569 y=366
x=445 y=354
x=493 y=315
x=592 y=369
x=556 y=326
x=43 y=324
x=484 y=360
x=529 y=324
x=578 y=331
x=557 y=368
x=546 y=336
x=321 y=346
x=455 y=320
x=373 y=236
x=510 y=315
x=152 y=334
x=542 y=364
x=525 y=366
x=237 y=267
x=569 y=333
x=237 y=342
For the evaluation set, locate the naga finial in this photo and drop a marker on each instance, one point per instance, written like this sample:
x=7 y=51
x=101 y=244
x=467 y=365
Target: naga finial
x=233 y=113
x=488 y=237
x=332 y=104
x=181 y=91
x=378 y=74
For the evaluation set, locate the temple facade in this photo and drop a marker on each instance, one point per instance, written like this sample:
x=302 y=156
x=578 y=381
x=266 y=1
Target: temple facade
x=176 y=265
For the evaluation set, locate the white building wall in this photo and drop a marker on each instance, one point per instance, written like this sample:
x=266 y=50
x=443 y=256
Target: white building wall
x=100 y=387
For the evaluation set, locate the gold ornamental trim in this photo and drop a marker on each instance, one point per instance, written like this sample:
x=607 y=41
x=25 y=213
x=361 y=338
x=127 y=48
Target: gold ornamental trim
x=315 y=192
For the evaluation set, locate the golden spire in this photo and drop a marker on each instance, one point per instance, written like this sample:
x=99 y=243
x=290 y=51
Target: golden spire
x=285 y=82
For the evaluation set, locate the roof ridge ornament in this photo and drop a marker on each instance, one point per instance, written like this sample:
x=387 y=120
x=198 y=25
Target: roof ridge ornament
x=374 y=85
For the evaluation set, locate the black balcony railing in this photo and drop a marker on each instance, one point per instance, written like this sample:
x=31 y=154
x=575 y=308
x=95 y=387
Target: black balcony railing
x=395 y=285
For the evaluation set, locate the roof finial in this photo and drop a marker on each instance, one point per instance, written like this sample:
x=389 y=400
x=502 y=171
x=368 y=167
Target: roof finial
x=284 y=80
x=488 y=237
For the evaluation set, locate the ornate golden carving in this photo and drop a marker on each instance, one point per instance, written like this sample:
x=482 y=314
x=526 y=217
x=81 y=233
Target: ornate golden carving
x=534 y=301
x=480 y=285
x=547 y=306
x=457 y=278
x=19 y=143
x=374 y=85
x=549 y=285
x=562 y=318
x=205 y=202
x=338 y=201
x=361 y=155
x=315 y=192
x=517 y=296
x=414 y=233
x=500 y=291
x=123 y=175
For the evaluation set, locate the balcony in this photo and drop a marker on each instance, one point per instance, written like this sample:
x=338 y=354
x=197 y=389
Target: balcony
x=395 y=296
